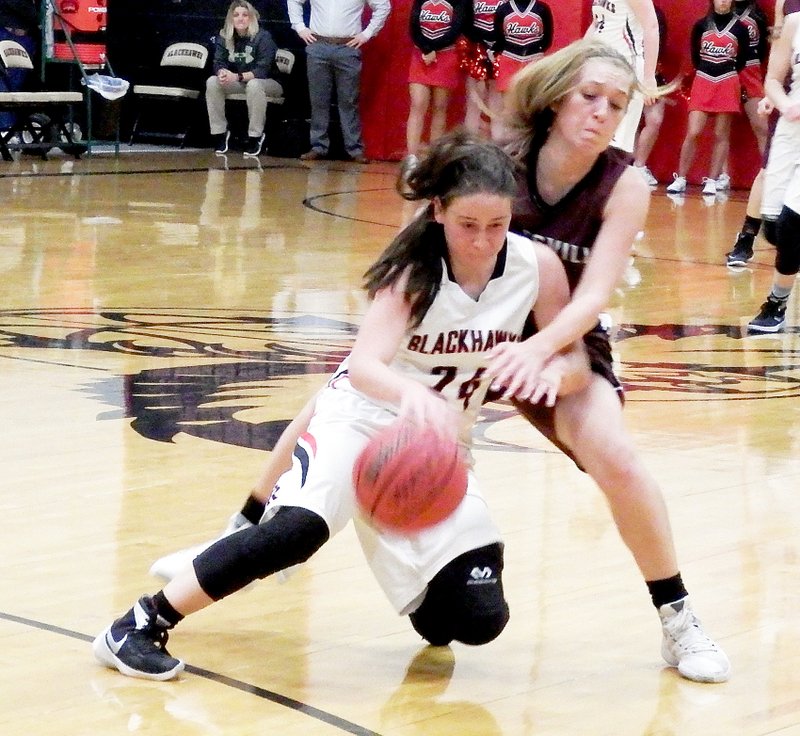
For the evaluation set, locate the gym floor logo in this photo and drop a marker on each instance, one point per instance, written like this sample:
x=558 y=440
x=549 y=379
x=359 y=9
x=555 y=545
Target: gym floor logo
x=227 y=376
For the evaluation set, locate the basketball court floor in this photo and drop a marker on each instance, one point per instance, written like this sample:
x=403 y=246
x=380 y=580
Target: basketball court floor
x=164 y=314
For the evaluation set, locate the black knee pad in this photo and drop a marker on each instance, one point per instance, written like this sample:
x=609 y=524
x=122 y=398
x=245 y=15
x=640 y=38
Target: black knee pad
x=787 y=260
x=465 y=600
x=770 y=229
x=288 y=538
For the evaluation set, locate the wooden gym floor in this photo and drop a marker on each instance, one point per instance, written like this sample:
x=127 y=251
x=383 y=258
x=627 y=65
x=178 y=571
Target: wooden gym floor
x=163 y=315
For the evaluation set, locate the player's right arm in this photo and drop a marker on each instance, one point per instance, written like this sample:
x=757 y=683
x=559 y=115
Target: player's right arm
x=780 y=61
x=280 y=459
x=379 y=338
x=645 y=13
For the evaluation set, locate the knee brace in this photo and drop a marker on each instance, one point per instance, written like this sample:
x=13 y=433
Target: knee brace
x=288 y=538
x=465 y=600
x=769 y=227
x=787 y=260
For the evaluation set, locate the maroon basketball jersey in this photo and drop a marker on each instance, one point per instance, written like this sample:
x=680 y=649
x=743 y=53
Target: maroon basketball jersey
x=570 y=226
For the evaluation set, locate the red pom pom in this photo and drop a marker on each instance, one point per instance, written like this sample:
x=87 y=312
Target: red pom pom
x=464 y=49
x=409 y=478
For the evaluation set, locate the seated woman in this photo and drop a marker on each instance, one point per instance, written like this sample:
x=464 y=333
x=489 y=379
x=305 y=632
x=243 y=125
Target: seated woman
x=243 y=56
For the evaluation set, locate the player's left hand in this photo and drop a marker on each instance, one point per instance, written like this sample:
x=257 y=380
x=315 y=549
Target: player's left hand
x=515 y=368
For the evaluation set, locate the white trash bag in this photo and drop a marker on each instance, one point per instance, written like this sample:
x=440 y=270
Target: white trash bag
x=111 y=88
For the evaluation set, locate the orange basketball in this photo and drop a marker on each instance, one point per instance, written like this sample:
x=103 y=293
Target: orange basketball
x=408 y=478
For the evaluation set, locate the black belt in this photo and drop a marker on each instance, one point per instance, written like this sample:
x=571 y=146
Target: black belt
x=334 y=40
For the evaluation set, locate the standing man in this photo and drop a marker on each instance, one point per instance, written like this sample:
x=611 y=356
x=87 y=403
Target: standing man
x=333 y=39
x=19 y=21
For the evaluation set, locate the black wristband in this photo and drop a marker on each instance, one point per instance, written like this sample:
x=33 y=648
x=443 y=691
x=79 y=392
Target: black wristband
x=241 y=77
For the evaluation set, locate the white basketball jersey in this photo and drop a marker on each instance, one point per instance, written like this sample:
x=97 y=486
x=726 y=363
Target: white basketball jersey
x=794 y=89
x=782 y=178
x=615 y=24
x=449 y=349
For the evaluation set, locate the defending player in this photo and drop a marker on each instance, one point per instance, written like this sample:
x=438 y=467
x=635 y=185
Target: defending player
x=581 y=198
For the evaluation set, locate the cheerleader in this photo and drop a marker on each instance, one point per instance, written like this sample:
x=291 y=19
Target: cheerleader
x=719 y=45
x=751 y=79
x=478 y=59
x=523 y=32
x=435 y=66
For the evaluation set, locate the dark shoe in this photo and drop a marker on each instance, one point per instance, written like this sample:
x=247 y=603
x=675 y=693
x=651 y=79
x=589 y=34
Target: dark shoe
x=312 y=155
x=742 y=251
x=136 y=644
x=771 y=317
x=254 y=145
x=359 y=158
x=221 y=142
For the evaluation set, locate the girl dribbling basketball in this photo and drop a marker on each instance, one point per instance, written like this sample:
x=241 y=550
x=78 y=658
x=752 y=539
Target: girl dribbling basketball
x=452 y=285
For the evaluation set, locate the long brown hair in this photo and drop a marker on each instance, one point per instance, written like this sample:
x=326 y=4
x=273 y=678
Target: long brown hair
x=458 y=164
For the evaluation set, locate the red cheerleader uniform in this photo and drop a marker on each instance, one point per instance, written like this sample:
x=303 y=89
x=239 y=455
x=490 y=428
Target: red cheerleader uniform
x=523 y=31
x=480 y=38
x=434 y=26
x=719 y=52
x=751 y=77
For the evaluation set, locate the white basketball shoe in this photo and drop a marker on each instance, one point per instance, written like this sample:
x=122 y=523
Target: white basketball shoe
x=686 y=646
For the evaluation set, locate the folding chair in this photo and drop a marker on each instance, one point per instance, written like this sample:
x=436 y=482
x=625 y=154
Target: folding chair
x=182 y=65
x=42 y=119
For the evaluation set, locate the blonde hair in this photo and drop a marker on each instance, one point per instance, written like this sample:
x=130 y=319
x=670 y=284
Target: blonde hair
x=228 y=31
x=538 y=87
